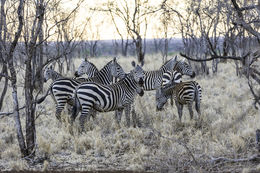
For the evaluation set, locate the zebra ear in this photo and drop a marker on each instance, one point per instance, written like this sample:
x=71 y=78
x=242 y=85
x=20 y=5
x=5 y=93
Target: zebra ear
x=175 y=58
x=114 y=59
x=133 y=63
x=51 y=67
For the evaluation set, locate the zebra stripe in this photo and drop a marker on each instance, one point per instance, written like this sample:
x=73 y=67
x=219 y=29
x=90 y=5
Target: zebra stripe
x=88 y=68
x=184 y=68
x=183 y=93
x=153 y=79
x=102 y=98
x=63 y=89
x=171 y=77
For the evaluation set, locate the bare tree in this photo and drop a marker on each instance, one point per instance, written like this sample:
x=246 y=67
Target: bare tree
x=134 y=16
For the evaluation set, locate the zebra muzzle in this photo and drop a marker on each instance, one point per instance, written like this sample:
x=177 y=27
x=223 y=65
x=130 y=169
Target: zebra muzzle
x=141 y=93
x=193 y=75
x=141 y=82
x=76 y=74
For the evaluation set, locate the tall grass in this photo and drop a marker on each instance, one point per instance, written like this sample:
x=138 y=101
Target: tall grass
x=227 y=129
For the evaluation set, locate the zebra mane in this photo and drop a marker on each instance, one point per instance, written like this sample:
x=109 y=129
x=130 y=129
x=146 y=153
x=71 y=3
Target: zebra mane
x=169 y=65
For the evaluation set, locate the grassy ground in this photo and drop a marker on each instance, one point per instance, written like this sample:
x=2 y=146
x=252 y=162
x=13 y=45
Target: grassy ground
x=227 y=129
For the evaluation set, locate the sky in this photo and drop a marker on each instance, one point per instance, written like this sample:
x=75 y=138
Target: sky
x=101 y=22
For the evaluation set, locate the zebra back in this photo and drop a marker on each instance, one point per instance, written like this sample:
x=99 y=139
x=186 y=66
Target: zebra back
x=185 y=92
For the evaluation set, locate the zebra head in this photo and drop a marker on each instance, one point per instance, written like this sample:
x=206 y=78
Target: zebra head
x=161 y=99
x=48 y=73
x=138 y=76
x=169 y=65
x=184 y=68
x=86 y=67
x=116 y=70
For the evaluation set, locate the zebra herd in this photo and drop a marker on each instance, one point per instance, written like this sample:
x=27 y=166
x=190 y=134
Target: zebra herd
x=101 y=92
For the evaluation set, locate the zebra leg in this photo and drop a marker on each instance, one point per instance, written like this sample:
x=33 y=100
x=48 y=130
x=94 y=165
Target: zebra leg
x=132 y=107
x=118 y=116
x=171 y=99
x=197 y=107
x=127 y=114
x=190 y=110
x=84 y=114
x=180 y=108
x=59 y=107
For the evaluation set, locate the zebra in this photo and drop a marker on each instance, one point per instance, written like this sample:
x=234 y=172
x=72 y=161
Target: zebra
x=153 y=79
x=102 y=98
x=62 y=90
x=183 y=93
x=88 y=68
x=50 y=73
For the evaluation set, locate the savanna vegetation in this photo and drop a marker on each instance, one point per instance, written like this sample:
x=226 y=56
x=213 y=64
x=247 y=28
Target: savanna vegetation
x=219 y=39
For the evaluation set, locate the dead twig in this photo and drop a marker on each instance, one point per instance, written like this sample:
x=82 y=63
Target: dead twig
x=2 y=114
x=253 y=158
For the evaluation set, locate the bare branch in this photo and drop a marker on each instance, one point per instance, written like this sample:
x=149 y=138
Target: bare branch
x=2 y=114
x=215 y=57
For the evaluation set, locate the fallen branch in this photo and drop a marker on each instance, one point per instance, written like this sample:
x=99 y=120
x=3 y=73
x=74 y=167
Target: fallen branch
x=254 y=158
x=215 y=57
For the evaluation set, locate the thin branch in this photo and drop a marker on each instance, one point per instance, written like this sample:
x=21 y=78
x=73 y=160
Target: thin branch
x=215 y=57
x=253 y=158
x=6 y=76
x=2 y=114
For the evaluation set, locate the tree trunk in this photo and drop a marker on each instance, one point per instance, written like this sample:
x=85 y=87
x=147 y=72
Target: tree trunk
x=4 y=71
x=28 y=87
x=19 y=131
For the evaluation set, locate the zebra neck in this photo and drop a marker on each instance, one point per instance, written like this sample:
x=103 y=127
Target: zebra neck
x=105 y=75
x=56 y=75
x=129 y=82
x=178 y=67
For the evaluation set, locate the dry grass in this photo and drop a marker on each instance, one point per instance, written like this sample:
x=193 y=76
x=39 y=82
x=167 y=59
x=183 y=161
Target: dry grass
x=227 y=129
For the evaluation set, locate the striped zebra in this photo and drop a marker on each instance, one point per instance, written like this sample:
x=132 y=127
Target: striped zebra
x=62 y=90
x=50 y=73
x=153 y=79
x=88 y=68
x=183 y=93
x=102 y=98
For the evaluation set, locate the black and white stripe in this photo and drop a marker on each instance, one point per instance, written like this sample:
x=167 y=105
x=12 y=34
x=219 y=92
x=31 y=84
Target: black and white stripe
x=88 y=68
x=153 y=79
x=62 y=90
x=183 y=93
x=184 y=68
x=170 y=77
x=118 y=96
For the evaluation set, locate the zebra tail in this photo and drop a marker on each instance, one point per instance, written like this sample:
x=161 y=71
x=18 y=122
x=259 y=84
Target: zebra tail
x=40 y=100
x=197 y=96
x=76 y=107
